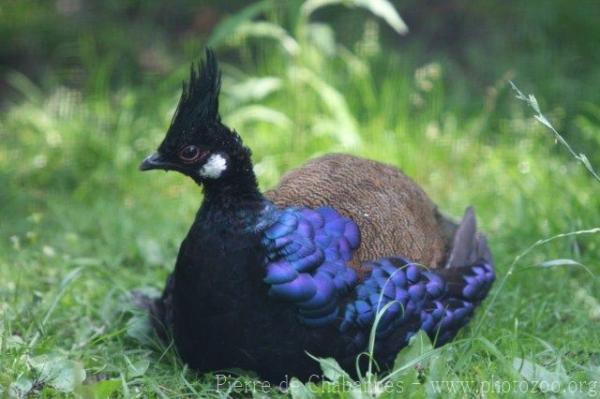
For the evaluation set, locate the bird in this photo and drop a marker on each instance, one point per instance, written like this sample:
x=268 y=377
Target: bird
x=343 y=249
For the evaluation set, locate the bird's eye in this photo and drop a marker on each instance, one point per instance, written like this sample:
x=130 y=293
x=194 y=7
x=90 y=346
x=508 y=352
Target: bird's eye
x=189 y=153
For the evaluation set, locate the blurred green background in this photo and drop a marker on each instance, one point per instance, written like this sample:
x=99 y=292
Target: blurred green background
x=87 y=89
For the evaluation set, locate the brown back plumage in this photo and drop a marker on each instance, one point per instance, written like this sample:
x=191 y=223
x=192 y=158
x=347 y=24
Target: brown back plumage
x=394 y=215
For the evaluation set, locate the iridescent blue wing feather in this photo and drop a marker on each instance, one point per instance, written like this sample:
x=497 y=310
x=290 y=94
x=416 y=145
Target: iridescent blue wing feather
x=411 y=297
x=306 y=265
x=307 y=251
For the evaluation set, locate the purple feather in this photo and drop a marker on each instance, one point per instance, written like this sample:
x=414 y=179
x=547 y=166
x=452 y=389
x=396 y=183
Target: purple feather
x=280 y=272
x=300 y=289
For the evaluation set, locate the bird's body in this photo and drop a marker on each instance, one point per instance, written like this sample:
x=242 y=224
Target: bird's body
x=261 y=280
x=223 y=317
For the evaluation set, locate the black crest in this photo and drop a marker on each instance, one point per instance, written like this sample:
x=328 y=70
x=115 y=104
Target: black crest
x=199 y=101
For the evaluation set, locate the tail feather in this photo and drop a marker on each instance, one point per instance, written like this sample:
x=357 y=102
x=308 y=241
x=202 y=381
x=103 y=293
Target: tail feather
x=468 y=246
x=464 y=245
x=159 y=310
x=469 y=271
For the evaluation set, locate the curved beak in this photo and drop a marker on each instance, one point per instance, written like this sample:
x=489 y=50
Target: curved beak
x=155 y=161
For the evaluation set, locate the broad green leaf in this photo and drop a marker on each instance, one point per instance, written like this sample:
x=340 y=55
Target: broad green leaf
x=268 y=30
x=137 y=368
x=58 y=372
x=541 y=376
x=380 y=8
x=418 y=347
x=20 y=387
x=418 y=354
x=331 y=369
x=100 y=390
x=300 y=391
x=438 y=371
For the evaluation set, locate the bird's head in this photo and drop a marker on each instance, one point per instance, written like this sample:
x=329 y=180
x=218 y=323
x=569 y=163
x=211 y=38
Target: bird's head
x=197 y=143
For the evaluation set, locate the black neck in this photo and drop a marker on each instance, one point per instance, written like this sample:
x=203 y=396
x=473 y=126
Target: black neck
x=237 y=187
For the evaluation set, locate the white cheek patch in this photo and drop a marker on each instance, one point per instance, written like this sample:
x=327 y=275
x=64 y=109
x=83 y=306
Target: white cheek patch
x=214 y=167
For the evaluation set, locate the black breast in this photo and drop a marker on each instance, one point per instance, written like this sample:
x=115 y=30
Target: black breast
x=223 y=317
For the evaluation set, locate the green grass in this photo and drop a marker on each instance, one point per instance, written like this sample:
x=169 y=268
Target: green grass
x=80 y=227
